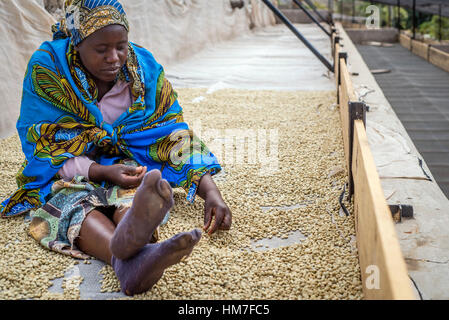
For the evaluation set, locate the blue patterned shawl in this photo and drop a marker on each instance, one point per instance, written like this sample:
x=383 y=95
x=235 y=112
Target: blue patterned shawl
x=59 y=120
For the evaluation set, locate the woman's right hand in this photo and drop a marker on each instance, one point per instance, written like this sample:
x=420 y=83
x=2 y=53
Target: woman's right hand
x=119 y=174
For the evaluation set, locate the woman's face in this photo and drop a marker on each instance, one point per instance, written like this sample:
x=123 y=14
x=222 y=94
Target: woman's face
x=104 y=52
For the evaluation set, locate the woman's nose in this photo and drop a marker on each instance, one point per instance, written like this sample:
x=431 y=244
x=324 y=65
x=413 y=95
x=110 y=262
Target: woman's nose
x=112 y=57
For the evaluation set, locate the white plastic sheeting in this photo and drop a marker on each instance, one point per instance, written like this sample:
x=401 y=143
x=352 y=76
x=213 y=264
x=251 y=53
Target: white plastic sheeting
x=393 y=154
x=174 y=29
x=269 y=58
x=24 y=25
x=170 y=29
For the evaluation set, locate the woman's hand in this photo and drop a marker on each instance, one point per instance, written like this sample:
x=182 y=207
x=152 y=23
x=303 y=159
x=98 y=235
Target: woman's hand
x=119 y=174
x=214 y=206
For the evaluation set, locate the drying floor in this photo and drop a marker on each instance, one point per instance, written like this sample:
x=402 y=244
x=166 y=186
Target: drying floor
x=289 y=238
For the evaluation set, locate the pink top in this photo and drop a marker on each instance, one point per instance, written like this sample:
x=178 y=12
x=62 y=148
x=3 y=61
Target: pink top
x=113 y=104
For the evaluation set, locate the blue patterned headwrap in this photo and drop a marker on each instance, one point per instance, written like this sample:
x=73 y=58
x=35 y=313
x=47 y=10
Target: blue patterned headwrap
x=84 y=17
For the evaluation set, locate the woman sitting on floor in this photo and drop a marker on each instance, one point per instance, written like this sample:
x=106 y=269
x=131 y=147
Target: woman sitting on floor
x=105 y=140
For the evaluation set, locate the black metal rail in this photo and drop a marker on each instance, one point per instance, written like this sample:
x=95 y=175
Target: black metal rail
x=314 y=8
x=299 y=4
x=287 y=22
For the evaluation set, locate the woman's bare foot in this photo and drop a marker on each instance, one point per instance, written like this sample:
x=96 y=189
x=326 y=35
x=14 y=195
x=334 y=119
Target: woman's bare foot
x=152 y=200
x=141 y=272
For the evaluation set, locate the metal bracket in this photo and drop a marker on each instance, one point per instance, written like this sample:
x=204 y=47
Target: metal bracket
x=357 y=111
x=336 y=40
x=299 y=4
x=237 y=4
x=398 y=211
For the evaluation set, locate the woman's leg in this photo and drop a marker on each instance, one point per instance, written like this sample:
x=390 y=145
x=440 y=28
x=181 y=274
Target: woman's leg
x=142 y=264
x=139 y=265
x=152 y=200
x=119 y=214
x=95 y=236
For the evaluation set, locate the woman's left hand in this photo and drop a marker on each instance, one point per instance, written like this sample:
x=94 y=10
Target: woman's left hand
x=215 y=206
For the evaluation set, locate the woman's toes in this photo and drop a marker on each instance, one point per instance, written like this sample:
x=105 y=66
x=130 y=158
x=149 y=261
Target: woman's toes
x=196 y=235
x=164 y=189
x=153 y=181
x=152 y=178
x=186 y=240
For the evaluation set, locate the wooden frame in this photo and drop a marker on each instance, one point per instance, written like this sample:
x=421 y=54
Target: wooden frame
x=346 y=95
x=405 y=41
x=380 y=256
x=426 y=51
x=439 y=58
x=377 y=242
x=420 y=49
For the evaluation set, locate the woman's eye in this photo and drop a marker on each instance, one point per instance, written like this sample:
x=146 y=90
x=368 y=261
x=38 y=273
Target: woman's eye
x=100 y=51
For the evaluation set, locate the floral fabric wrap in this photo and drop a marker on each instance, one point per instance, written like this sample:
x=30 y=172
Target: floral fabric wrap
x=60 y=119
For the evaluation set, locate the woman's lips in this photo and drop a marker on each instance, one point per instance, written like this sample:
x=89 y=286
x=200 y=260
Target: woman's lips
x=111 y=71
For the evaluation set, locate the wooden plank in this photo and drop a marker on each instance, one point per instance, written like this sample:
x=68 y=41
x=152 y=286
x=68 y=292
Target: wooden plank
x=333 y=45
x=439 y=58
x=383 y=269
x=336 y=64
x=420 y=49
x=346 y=78
x=405 y=41
x=346 y=94
x=344 y=113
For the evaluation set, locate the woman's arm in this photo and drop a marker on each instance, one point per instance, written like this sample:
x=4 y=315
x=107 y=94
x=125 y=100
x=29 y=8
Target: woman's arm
x=119 y=174
x=75 y=166
x=214 y=206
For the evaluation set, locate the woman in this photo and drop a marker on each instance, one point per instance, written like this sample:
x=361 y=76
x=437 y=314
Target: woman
x=97 y=120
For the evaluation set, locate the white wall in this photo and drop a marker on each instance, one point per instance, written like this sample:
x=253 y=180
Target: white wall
x=175 y=29
x=24 y=25
x=171 y=29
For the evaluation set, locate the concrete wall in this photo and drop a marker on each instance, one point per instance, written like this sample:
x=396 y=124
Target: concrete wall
x=358 y=36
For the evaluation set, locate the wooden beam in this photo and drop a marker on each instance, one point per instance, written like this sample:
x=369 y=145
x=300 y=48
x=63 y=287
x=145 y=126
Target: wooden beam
x=420 y=49
x=405 y=41
x=378 y=246
x=346 y=81
x=384 y=272
x=435 y=56
x=439 y=58
x=346 y=94
x=336 y=64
